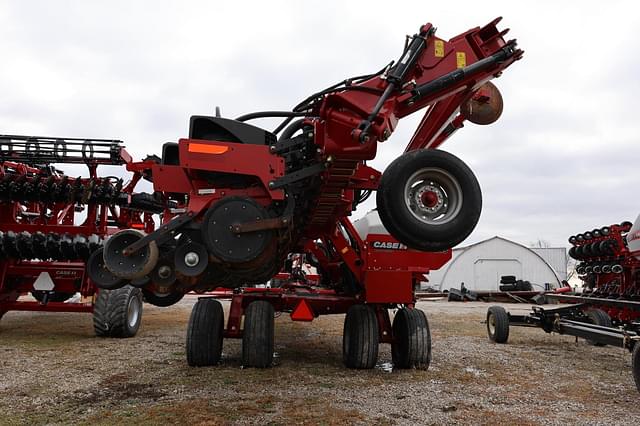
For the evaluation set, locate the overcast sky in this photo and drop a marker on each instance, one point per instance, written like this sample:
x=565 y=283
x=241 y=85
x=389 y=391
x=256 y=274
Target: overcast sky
x=563 y=158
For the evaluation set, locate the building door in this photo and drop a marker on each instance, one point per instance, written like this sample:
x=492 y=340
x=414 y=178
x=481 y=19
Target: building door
x=487 y=272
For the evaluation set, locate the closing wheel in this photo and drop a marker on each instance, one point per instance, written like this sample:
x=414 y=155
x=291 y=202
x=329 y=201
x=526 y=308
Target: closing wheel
x=130 y=267
x=360 y=337
x=258 y=334
x=429 y=200
x=53 y=297
x=598 y=317
x=191 y=259
x=411 y=347
x=635 y=365
x=498 y=324
x=100 y=275
x=160 y=299
x=164 y=274
x=118 y=313
x=204 y=333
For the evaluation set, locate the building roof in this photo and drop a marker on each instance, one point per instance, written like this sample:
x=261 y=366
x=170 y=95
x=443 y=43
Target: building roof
x=458 y=251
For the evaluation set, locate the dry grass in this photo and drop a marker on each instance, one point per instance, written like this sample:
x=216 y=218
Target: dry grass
x=54 y=371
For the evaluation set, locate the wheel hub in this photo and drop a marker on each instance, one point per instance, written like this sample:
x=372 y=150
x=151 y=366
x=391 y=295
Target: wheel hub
x=164 y=271
x=430 y=198
x=191 y=259
x=433 y=196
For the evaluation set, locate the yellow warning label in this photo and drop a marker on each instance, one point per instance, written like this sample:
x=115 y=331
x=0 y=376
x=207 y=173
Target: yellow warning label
x=461 y=59
x=439 y=48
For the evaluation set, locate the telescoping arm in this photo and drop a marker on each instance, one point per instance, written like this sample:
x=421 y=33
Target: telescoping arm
x=432 y=73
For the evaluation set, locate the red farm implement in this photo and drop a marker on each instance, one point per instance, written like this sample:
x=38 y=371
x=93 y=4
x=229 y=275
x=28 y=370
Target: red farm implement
x=608 y=310
x=238 y=201
x=52 y=224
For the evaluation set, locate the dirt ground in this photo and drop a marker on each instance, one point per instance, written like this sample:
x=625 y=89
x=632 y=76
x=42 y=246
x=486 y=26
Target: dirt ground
x=54 y=371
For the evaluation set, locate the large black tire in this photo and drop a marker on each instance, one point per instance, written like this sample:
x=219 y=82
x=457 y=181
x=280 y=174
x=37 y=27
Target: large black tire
x=498 y=324
x=360 y=339
x=258 y=334
x=205 y=333
x=598 y=317
x=437 y=177
x=161 y=300
x=118 y=313
x=635 y=364
x=411 y=347
x=55 y=297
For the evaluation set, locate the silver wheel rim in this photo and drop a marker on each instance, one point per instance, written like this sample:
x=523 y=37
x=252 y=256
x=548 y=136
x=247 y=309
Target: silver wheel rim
x=133 y=312
x=433 y=196
x=492 y=324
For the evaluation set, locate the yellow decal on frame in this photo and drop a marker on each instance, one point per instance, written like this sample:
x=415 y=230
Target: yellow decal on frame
x=461 y=59
x=439 y=49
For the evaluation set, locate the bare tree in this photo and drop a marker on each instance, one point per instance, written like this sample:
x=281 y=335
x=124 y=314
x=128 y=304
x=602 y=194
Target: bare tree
x=540 y=243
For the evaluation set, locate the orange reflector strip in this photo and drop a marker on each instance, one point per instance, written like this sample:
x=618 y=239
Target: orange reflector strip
x=302 y=312
x=137 y=225
x=205 y=148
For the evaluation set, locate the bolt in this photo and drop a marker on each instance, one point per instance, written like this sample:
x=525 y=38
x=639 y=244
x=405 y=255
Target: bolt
x=191 y=259
x=164 y=271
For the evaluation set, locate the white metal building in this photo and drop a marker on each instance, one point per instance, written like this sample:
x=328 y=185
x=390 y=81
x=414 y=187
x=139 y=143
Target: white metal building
x=480 y=266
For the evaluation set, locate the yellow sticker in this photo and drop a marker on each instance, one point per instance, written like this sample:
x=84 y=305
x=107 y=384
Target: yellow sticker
x=461 y=59
x=439 y=48
x=344 y=250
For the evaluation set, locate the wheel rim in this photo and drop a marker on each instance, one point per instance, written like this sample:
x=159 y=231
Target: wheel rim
x=133 y=312
x=491 y=323
x=433 y=196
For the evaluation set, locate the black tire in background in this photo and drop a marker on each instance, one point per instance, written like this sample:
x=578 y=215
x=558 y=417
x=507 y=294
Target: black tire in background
x=498 y=324
x=411 y=347
x=54 y=297
x=452 y=218
x=161 y=300
x=635 y=364
x=598 y=317
x=360 y=338
x=205 y=333
x=258 y=334
x=117 y=313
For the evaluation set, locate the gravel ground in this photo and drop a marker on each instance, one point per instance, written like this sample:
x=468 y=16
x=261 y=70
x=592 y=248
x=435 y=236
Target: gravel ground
x=54 y=371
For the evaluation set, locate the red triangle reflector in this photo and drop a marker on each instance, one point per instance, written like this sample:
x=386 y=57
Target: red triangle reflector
x=302 y=312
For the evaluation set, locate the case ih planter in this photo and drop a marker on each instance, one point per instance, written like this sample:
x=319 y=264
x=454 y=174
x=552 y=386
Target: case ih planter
x=43 y=249
x=608 y=310
x=238 y=200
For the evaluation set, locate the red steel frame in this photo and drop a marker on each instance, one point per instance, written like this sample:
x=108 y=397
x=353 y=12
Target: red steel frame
x=17 y=277
x=388 y=276
x=617 y=286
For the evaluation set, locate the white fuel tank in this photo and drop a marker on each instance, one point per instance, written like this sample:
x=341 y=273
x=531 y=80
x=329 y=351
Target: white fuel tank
x=370 y=223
